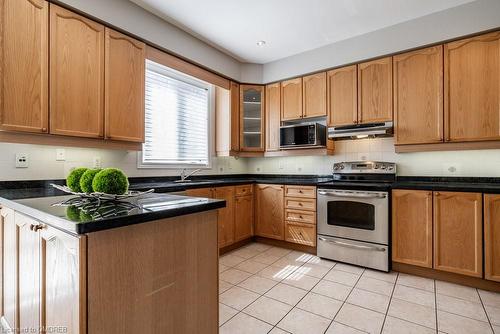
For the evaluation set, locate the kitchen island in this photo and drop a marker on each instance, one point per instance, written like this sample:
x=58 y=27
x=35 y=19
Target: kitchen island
x=147 y=265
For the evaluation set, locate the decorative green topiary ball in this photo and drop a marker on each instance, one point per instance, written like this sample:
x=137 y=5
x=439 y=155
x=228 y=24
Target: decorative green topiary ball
x=73 y=179
x=73 y=213
x=110 y=181
x=86 y=180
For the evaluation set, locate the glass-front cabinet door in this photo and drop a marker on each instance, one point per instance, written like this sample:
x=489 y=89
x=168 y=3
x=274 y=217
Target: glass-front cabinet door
x=252 y=118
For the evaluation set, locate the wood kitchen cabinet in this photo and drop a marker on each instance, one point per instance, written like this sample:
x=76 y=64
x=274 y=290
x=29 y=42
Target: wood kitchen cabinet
x=491 y=237
x=291 y=99
x=76 y=75
x=273 y=116
x=458 y=233
x=252 y=126
x=226 y=216
x=269 y=211
x=314 y=95
x=24 y=65
x=243 y=212
x=375 y=91
x=124 y=87
x=342 y=101
x=418 y=96
x=471 y=88
x=234 y=105
x=412 y=227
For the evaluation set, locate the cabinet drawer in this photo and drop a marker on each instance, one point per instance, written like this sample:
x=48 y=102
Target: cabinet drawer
x=304 y=234
x=308 y=204
x=300 y=191
x=243 y=190
x=308 y=217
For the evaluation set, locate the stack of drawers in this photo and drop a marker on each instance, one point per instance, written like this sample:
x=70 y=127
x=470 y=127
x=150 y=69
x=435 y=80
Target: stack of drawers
x=300 y=215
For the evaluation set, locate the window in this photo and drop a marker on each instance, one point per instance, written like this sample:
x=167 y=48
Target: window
x=177 y=119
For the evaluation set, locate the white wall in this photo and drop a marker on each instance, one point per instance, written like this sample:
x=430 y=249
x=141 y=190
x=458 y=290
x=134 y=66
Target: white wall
x=136 y=20
x=43 y=164
x=452 y=23
x=466 y=163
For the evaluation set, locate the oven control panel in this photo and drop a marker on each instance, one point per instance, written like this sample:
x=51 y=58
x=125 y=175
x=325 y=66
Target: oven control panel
x=368 y=167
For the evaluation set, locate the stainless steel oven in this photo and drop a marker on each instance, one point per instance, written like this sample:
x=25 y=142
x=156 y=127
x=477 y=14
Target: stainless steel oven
x=353 y=220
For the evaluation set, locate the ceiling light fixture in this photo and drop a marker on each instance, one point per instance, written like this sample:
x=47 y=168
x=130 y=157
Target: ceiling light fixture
x=261 y=43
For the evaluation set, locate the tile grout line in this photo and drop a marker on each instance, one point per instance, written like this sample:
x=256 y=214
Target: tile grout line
x=485 y=312
x=390 y=300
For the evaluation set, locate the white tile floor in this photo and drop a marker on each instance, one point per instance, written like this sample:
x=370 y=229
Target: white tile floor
x=266 y=289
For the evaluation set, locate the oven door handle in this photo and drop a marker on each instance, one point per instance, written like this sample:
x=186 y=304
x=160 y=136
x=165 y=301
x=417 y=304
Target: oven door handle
x=351 y=195
x=345 y=244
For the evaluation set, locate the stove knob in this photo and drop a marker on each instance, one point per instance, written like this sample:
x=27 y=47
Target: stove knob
x=376 y=167
x=335 y=167
x=383 y=167
x=390 y=168
x=341 y=166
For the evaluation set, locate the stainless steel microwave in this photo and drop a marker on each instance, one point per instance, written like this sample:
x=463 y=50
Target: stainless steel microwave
x=302 y=135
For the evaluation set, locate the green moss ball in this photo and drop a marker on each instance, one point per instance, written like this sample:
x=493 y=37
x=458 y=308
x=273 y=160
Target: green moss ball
x=86 y=180
x=110 y=181
x=73 y=179
x=85 y=217
x=73 y=213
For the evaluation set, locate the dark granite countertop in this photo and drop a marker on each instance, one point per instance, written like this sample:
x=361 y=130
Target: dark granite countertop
x=464 y=184
x=56 y=212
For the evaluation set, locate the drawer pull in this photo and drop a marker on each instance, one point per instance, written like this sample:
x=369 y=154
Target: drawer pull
x=301 y=217
x=348 y=245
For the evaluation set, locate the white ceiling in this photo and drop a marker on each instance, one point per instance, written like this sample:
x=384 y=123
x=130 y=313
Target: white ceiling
x=288 y=26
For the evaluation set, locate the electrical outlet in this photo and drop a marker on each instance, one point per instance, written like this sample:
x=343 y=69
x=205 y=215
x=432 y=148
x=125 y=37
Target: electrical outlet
x=22 y=160
x=60 y=154
x=281 y=164
x=258 y=169
x=452 y=168
x=97 y=162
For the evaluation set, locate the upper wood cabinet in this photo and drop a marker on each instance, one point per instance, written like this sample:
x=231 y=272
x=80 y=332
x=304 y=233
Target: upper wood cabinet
x=375 y=91
x=291 y=99
x=273 y=113
x=76 y=75
x=243 y=211
x=472 y=88
x=226 y=215
x=418 y=96
x=458 y=233
x=124 y=87
x=412 y=227
x=314 y=95
x=342 y=94
x=24 y=57
x=234 y=112
x=252 y=126
x=269 y=211
x=491 y=237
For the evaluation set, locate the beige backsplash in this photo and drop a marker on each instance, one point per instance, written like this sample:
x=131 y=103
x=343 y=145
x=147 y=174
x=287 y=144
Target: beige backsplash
x=43 y=164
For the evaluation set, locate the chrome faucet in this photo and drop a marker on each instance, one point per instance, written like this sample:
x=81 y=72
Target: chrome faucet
x=184 y=176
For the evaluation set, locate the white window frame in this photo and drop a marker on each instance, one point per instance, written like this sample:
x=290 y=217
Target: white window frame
x=167 y=71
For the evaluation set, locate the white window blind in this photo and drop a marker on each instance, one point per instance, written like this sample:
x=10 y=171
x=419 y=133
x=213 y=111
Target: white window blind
x=177 y=119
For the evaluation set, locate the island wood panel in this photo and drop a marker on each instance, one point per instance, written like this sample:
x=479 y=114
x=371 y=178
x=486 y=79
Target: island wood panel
x=124 y=87
x=269 y=211
x=226 y=215
x=24 y=65
x=64 y=281
x=375 y=91
x=159 y=277
x=412 y=227
x=76 y=75
x=418 y=96
x=29 y=274
x=273 y=116
x=342 y=103
x=314 y=95
x=458 y=233
x=243 y=213
x=9 y=269
x=492 y=237
x=291 y=99
x=472 y=88
x=235 y=116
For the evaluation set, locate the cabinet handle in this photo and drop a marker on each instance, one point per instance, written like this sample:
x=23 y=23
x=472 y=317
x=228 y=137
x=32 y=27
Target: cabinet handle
x=44 y=129
x=437 y=193
x=36 y=228
x=300 y=191
x=301 y=217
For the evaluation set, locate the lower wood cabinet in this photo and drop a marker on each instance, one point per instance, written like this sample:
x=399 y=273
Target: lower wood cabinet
x=300 y=233
x=412 y=227
x=492 y=237
x=458 y=233
x=269 y=211
x=243 y=213
x=226 y=216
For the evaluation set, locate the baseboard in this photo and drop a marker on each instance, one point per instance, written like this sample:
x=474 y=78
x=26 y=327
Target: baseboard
x=446 y=276
x=287 y=245
x=234 y=246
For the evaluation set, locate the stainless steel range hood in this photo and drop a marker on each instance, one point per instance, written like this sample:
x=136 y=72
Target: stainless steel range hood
x=359 y=131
